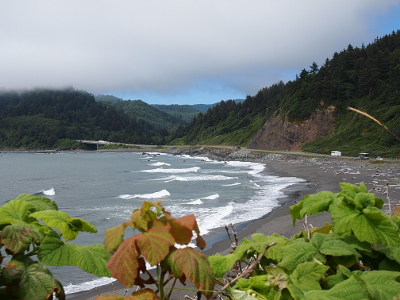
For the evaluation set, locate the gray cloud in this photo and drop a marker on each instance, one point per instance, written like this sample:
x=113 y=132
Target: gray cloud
x=173 y=46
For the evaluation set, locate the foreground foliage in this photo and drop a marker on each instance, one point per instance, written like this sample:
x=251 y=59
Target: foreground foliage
x=32 y=227
x=357 y=257
x=156 y=245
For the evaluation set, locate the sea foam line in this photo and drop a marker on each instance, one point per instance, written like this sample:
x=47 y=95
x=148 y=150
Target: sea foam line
x=85 y=286
x=159 y=194
x=162 y=170
x=196 y=178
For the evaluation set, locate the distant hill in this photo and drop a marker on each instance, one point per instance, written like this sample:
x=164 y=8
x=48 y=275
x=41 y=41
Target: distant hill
x=49 y=119
x=188 y=112
x=181 y=112
x=311 y=112
x=140 y=110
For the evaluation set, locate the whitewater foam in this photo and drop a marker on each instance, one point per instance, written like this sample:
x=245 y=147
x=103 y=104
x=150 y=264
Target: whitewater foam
x=159 y=163
x=85 y=286
x=195 y=202
x=212 y=197
x=196 y=178
x=159 y=194
x=49 y=192
x=177 y=171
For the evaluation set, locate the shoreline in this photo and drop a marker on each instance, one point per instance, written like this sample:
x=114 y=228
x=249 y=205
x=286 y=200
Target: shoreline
x=320 y=174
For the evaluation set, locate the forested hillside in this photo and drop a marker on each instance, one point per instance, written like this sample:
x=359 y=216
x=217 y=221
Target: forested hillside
x=49 y=119
x=366 y=78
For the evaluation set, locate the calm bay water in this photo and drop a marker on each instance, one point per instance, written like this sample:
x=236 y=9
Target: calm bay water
x=103 y=188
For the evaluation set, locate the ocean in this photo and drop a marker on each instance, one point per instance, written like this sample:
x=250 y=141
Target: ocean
x=105 y=187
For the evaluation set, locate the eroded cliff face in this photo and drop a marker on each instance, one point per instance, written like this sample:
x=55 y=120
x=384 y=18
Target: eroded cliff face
x=280 y=135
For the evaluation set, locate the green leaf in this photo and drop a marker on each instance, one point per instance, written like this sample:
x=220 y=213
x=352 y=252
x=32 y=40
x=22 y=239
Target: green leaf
x=40 y=203
x=92 y=259
x=82 y=225
x=356 y=244
x=307 y=275
x=370 y=224
x=352 y=190
x=342 y=274
x=363 y=285
x=193 y=265
x=222 y=264
x=58 y=220
x=243 y=295
x=311 y=205
x=16 y=212
x=332 y=245
x=392 y=252
x=273 y=252
x=18 y=238
x=298 y=252
x=154 y=244
x=255 y=284
x=363 y=200
x=276 y=278
x=31 y=280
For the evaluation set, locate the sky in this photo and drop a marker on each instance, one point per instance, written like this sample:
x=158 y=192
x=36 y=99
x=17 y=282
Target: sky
x=179 y=51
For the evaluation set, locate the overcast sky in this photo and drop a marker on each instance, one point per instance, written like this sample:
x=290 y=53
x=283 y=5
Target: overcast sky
x=179 y=51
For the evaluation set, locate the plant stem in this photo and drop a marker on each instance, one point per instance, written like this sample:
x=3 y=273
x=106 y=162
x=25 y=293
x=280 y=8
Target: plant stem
x=250 y=269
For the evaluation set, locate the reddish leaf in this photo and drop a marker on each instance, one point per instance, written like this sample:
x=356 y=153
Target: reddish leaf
x=181 y=233
x=190 y=223
x=154 y=244
x=193 y=265
x=396 y=211
x=114 y=236
x=200 y=242
x=124 y=264
x=145 y=294
x=18 y=238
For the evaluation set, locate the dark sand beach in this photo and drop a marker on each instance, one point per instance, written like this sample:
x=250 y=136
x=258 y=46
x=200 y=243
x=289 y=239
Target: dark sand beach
x=321 y=173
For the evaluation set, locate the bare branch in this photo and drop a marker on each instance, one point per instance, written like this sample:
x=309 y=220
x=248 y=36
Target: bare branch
x=250 y=269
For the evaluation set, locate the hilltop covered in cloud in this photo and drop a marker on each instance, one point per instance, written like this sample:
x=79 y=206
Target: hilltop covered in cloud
x=190 y=52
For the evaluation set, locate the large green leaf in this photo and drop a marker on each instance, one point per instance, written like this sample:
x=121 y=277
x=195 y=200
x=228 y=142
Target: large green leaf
x=255 y=284
x=193 y=265
x=222 y=264
x=40 y=203
x=92 y=259
x=18 y=238
x=392 y=252
x=363 y=200
x=307 y=275
x=244 y=295
x=312 y=205
x=82 y=225
x=370 y=224
x=16 y=212
x=31 y=280
x=363 y=285
x=273 y=252
x=352 y=190
x=154 y=244
x=298 y=252
x=330 y=244
x=69 y=227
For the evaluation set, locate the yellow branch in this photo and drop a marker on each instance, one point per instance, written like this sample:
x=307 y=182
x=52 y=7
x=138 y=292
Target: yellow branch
x=372 y=118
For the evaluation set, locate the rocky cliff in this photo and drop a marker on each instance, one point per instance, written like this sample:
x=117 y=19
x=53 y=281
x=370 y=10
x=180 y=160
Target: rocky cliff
x=280 y=134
